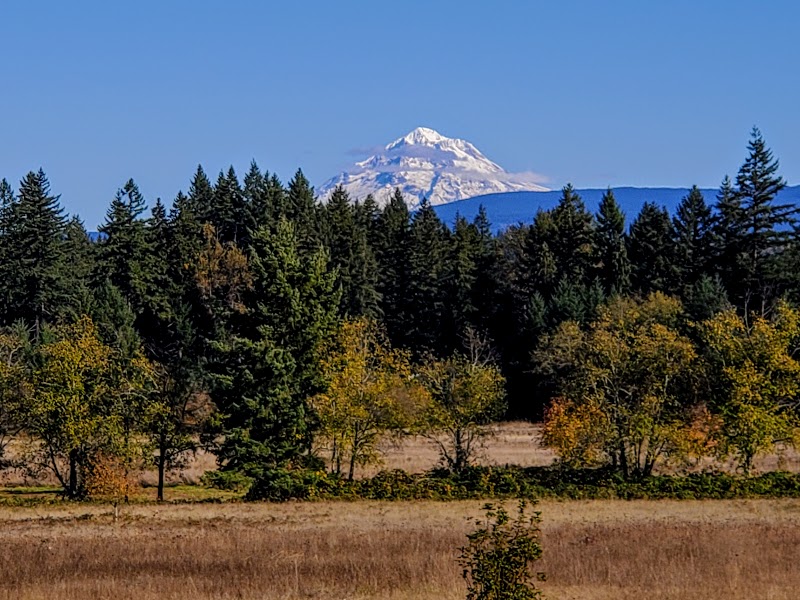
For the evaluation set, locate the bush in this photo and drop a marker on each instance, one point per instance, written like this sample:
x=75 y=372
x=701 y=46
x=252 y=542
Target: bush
x=499 y=556
x=232 y=481
x=517 y=482
x=279 y=485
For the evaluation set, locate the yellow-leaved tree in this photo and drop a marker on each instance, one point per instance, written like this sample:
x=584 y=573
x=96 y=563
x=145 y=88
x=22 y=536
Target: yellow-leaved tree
x=623 y=387
x=83 y=400
x=370 y=391
x=755 y=380
x=467 y=392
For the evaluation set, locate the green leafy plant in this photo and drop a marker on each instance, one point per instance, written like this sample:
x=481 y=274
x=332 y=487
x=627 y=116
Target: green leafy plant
x=499 y=556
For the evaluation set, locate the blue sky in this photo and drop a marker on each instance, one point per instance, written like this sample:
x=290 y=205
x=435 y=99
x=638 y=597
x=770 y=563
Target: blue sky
x=593 y=93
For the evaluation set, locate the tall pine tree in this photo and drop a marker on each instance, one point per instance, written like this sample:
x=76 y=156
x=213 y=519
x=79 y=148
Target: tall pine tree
x=614 y=268
x=766 y=226
x=651 y=250
x=347 y=240
x=428 y=254
x=34 y=274
x=692 y=227
x=126 y=250
x=392 y=249
x=573 y=230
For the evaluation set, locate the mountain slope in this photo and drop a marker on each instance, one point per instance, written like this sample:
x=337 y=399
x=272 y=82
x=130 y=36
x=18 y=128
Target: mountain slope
x=426 y=164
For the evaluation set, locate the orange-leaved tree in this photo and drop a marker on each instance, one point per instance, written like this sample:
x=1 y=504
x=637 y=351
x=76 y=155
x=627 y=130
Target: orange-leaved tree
x=109 y=478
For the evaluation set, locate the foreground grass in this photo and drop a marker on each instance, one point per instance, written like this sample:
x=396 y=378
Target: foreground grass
x=594 y=550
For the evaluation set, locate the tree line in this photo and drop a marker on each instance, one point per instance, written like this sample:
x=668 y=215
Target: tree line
x=224 y=319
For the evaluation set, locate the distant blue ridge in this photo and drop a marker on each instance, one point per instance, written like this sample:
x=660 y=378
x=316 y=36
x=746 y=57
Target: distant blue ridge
x=512 y=208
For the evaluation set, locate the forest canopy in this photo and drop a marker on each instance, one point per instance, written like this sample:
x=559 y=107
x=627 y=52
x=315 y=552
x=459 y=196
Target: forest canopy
x=253 y=319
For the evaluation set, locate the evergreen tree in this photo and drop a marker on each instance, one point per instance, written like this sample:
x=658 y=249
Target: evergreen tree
x=367 y=214
x=301 y=209
x=567 y=303
x=157 y=323
x=692 y=225
x=573 y=236
x=7 y=285
x=614 y=268
x=7 y=201
x=34 y=269
x=81 y=252
x=346 y=237
x=486 y=294
x=461 y=277
x=230 y=215
x=705 y=298
x=766 y=225
x=185 y=241
x=537 y=264
x=115 y=320
x=651 y=250
x=393 y=247
x=267 y=364
x=201 y=196
x=727 y=235
x=259 y=200
x=278 y=199
x=428 y=253
x=125 y=250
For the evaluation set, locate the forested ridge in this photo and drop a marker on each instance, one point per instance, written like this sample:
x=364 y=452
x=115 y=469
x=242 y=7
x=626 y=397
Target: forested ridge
x=245 y=315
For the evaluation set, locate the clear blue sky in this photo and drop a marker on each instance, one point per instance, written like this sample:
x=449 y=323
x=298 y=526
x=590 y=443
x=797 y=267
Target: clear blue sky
x=594 y=93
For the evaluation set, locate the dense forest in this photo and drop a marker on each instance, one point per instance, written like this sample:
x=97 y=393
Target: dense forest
x=211 y=321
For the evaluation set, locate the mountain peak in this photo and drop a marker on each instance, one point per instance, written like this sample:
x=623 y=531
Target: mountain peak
x=422 y=136
x=426 y=164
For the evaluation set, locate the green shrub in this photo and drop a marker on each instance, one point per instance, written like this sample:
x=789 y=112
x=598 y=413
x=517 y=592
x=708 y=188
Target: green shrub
x=498 y=558
x=279 y=485
x=517 y=482
x=226 y=480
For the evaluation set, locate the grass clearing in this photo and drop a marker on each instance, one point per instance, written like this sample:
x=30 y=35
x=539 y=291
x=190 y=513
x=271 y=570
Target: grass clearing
x=594 y=550
x=204 y=545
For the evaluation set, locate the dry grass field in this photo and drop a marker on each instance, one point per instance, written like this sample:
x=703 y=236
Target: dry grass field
x=598 y=550
x=594 y=550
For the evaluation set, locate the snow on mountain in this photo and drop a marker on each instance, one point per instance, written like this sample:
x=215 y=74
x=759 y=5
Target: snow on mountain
x=426 y=164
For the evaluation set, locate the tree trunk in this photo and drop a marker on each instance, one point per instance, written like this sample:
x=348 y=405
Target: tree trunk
x=460 y=454
x=72 y=487
x=353 y=453
x=162 y=463
x=623 y=460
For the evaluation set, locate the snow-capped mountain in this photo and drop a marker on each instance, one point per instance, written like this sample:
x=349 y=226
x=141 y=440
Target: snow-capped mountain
x=426 y=164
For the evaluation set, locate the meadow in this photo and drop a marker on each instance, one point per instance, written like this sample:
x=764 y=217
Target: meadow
x=207 y=544
x=594 y=550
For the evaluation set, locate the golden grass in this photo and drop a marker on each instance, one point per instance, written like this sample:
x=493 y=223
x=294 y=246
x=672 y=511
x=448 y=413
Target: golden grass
x=594 y=550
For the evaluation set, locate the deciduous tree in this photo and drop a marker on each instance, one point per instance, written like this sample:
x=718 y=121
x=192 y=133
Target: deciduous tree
x=619 y=384
x=370 y=392
x=756 y=380
x=81 y=393
x=466 y=394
